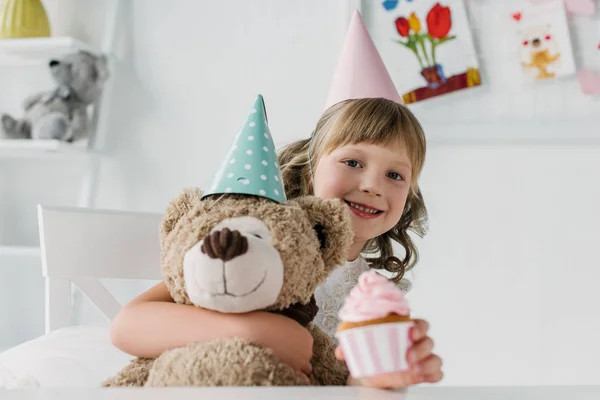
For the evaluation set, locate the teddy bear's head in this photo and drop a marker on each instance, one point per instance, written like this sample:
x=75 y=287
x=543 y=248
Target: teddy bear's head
x=536 y=39
x=239 y=253
x=81 y=73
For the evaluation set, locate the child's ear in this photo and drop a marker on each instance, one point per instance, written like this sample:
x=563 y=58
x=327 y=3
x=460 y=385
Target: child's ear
x=178 y=207
x=332 y=224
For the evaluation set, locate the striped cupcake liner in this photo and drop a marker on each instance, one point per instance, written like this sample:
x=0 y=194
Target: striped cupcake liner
x=376 y=349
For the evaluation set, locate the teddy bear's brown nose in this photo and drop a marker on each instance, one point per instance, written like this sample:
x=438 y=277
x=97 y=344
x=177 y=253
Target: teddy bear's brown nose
x=224 y=244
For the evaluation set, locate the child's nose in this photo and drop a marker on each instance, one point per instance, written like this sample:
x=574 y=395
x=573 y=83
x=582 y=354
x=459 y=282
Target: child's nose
x=372 y=191
x=371 y=186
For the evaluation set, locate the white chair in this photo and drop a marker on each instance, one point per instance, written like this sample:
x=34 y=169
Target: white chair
x=80 y=246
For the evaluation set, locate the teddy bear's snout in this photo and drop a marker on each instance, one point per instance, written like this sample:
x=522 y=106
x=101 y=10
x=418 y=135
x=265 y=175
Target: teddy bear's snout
x=224 y=244
x=235 y=267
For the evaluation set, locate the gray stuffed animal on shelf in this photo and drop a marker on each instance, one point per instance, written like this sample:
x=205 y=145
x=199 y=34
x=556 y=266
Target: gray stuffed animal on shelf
x=62 y=113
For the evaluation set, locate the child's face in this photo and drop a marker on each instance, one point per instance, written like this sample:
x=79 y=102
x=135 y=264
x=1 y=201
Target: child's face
x=373 y=180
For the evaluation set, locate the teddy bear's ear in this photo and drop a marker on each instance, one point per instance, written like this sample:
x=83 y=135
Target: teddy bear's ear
x=331 y=221
x=179 y=206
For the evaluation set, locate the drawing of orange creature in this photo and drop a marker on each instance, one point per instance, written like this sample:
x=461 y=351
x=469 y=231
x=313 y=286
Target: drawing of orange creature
x=540 y=50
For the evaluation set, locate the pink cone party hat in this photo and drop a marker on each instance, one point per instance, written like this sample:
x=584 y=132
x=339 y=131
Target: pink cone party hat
x=360 y=71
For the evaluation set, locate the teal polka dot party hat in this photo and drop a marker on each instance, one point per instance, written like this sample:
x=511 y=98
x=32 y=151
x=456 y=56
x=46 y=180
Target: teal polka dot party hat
x=250 y=166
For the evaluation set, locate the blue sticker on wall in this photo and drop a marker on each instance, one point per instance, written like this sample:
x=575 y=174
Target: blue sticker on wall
x=389 y=5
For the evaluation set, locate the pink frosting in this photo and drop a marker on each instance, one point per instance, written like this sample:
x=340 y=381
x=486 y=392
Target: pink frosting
x=373 y=297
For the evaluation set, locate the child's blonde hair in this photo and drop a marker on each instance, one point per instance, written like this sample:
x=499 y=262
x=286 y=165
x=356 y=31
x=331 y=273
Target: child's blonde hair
x=373 y=121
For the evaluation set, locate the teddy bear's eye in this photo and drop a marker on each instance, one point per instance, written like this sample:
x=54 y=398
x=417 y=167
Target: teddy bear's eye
x=320 y=230
x=258 y=236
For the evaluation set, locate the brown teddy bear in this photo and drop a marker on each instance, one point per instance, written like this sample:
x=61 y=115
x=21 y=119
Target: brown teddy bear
x=240 y=247
x=236 y=253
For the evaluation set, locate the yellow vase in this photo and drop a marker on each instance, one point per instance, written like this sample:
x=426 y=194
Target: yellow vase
x=23 y=19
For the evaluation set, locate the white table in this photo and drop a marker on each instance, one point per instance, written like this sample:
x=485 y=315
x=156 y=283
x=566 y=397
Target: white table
x=416 y=393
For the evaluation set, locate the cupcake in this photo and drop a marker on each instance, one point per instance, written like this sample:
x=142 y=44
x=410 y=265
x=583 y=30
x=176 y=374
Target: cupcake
x=374 y=328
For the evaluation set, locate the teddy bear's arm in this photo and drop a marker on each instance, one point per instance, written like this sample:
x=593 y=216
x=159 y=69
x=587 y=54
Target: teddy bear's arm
x=31 y=100
x=327 y=370
x=134 y=374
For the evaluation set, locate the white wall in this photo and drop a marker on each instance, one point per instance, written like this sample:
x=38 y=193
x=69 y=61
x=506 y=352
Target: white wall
x=508 y=269
x=509 y=266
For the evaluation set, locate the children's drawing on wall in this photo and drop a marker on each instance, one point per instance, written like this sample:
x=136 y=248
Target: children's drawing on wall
x=426 y=45
x=543 y=41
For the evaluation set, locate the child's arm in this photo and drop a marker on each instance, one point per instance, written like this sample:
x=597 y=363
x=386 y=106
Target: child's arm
x=152 y=323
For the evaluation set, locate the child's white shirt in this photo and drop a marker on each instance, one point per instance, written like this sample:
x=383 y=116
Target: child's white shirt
x=330 y=296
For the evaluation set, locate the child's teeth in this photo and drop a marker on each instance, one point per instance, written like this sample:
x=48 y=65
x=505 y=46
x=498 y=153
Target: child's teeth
x=363 y=209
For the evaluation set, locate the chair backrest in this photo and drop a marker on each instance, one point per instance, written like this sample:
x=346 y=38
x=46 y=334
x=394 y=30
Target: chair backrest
x=81 y=245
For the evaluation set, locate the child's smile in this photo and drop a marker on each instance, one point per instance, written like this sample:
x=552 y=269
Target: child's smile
x=363 y=210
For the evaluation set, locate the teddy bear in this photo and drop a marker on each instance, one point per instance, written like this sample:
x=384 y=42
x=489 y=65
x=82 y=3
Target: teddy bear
x=61 y=113
x=540 y=50
x=239 y=253
x=242 y=246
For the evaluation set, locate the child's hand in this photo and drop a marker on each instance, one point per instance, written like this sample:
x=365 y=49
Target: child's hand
x=424 y=366
x=290 y=342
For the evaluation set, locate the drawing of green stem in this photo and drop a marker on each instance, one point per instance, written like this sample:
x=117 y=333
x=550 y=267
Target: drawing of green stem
x=421 y=42
x=411 y=44
x=435 y=43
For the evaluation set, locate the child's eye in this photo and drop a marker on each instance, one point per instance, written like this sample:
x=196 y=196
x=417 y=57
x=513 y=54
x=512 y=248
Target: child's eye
x=395 y=176
x=352 y=163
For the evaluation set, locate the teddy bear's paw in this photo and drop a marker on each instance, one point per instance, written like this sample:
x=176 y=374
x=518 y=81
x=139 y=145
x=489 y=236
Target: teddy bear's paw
x=8 y=122
x=11 y=128
x=223 y=362
x=133 y=374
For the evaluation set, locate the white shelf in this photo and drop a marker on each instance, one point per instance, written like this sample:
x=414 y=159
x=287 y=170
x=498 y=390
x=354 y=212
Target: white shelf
x=19 y=251
x=37 y=50
x=40 y=148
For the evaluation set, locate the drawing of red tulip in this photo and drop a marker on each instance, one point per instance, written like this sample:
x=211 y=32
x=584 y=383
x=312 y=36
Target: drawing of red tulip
x=402 y=26
x=439 y=21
